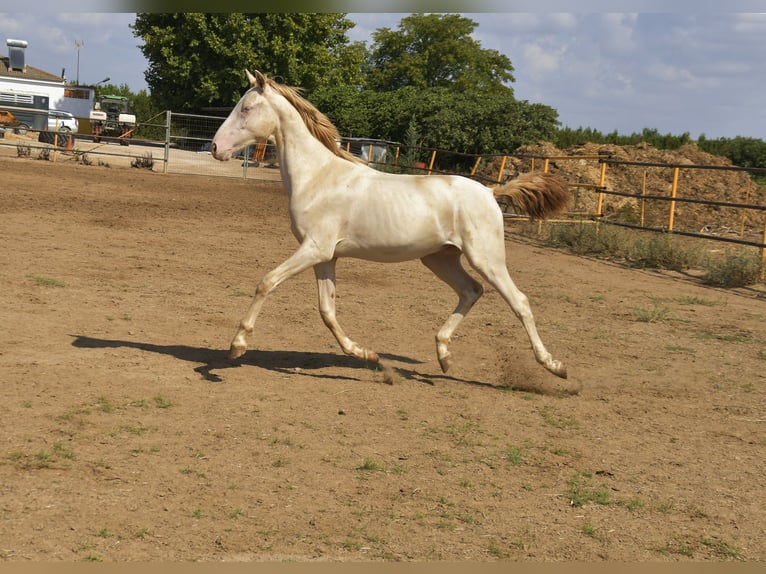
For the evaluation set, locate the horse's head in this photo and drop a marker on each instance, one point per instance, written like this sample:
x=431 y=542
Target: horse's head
x=252 y=120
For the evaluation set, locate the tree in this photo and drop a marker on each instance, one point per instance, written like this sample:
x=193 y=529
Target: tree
x=197 y=60
x=436 y=50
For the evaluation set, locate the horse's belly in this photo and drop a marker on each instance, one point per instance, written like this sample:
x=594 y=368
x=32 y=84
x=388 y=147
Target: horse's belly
x=385 y=253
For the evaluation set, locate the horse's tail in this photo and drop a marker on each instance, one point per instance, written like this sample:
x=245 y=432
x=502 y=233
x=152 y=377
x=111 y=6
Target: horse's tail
x=537 y=195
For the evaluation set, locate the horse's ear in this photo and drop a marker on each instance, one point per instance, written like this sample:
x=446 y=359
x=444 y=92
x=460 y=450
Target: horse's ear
x=258 y=79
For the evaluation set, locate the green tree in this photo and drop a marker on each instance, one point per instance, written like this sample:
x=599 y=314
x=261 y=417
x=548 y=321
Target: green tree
x=197 y=60
x=436 y=50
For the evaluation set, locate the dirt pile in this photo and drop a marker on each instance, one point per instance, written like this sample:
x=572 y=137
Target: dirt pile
x=581 y=165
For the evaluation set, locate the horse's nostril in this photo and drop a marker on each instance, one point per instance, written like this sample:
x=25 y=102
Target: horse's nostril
x=212 y=148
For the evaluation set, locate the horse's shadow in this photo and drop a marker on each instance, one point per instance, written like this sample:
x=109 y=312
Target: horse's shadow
x=286 y=362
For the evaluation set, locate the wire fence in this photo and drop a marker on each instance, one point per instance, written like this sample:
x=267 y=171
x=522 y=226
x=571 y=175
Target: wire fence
x=650 y=196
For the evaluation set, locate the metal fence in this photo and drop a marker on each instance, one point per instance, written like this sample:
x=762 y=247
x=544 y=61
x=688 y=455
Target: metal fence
x=186 y=150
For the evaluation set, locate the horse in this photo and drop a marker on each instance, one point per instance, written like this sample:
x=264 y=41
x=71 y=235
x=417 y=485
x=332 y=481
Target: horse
x=341 y=207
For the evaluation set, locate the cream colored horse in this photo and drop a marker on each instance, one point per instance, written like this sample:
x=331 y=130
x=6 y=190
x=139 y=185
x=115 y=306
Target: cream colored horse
x=340 y=207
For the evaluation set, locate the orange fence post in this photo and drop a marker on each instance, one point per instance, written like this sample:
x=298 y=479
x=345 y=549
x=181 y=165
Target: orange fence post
x=476 y=165
x=431 y=164
x=502 y=167
x=601 y=185
x=673 y=194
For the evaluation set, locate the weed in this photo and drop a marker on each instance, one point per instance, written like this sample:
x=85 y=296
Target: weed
x=632 y=504
x=62 y=451
x=15 y=456
x=691 y=300
x=143 y=533
x=665 y=507
x=104 y=405
x=47 y=282
x=736 y=270
x=680 y=349
x=198 y=514
x=279 y=463
x=43 y=458
x=582 y=491
x=720 y=548
x=653 y=315
x=554 y=419
x=162 y=403
x=676 y=547
x=145 y=161
x=513 y=454
x=370 y=465
x=104 y=533
x=136 y=430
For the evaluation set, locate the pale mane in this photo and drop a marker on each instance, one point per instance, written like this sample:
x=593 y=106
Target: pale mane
x=318 y=124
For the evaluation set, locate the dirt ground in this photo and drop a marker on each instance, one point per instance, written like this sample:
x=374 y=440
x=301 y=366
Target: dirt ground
x=127 y=436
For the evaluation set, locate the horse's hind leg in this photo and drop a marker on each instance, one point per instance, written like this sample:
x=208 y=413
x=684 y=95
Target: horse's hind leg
x=492 y=268
x=445 y=264
x=325 y=274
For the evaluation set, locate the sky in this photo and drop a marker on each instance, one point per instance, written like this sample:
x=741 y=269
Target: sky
x=699 y=70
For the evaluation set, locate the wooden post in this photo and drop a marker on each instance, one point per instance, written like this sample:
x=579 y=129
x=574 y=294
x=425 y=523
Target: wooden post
x=476 y=165
x=673 y=194
x=502 y=168
x=643 y=201
x=431 y=165
x=744 y=211
x=601 y=185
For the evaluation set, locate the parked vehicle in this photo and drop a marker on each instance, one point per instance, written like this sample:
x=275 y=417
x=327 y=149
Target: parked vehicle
x=63 y=121
x=7 y=118
x=110 y=117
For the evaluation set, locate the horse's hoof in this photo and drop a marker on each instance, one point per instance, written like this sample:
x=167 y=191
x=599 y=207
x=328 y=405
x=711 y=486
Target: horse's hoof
x=445 y=362
x=236 y=352
x=558 y=369
x=371 y=356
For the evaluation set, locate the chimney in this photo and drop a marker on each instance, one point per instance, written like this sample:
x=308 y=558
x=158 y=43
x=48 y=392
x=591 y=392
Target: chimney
x=16 y=50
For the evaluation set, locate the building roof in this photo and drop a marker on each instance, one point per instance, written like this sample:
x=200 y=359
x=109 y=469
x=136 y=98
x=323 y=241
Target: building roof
x=30 y=73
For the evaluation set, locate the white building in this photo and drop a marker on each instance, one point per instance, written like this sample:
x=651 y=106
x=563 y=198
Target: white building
x=23 y=86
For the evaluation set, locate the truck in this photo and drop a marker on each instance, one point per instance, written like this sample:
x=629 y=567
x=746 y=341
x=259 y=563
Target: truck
x=109 y=117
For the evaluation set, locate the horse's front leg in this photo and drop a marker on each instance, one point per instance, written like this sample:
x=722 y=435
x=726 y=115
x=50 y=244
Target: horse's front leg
x=325 y=274
x=306 y=256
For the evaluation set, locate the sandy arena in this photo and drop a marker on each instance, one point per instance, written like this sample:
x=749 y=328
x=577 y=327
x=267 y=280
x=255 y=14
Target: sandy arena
x=128 y=436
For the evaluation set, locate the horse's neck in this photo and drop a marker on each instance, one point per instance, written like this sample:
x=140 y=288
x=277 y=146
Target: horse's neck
x=301 y=155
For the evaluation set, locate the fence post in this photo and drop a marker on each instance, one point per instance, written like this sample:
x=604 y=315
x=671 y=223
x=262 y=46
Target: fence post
x=502 y=167
x=763 y=251
x=643 y=198
x=673 y=194
x=431 y=165
x=168 y=116
x=476 y=165
x=744 y=211
x=600 y=203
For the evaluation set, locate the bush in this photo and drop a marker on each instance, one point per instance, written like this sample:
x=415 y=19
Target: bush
x=735 y=270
